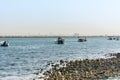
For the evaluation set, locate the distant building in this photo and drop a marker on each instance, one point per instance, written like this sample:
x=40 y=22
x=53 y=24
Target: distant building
x=76 y=34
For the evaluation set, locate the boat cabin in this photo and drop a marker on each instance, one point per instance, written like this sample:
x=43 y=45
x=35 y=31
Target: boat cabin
x=82 y=39
x=60 y=40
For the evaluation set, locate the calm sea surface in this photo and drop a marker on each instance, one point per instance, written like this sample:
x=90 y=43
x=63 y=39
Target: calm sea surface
x=26 y=55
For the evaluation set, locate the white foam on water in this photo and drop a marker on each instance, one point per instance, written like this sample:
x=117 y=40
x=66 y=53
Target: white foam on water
x=114 y=78
x=23 y=77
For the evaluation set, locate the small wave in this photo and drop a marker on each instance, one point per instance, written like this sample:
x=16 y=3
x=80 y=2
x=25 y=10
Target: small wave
x=114 y=78
x=23 y=77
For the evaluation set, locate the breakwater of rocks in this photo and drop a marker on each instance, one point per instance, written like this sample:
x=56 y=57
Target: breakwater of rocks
x=84 y=69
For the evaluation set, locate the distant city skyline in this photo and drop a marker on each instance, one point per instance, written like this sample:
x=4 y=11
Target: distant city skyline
x=59 y=17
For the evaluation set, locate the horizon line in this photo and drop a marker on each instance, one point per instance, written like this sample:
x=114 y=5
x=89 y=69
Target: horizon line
x=46 y=36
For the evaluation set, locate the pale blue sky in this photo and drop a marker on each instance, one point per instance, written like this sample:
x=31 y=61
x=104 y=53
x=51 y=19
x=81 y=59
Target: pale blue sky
x=86 y=17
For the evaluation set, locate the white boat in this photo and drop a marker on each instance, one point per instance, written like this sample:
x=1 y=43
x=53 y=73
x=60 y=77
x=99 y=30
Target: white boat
x=4 y=44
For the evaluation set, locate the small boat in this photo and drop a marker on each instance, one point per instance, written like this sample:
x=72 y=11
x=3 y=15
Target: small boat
x=113 y=38
x=110 y=38
x=4 y=44
x=82 y=39
x=60 y=40
x=117 y=38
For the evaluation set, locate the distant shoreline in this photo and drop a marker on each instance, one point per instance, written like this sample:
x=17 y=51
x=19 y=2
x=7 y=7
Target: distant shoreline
x=48 y=36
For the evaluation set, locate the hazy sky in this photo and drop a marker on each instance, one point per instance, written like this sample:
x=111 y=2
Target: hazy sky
x=86 y=17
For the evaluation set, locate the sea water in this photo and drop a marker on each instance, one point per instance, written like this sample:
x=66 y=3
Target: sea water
x=25 y=56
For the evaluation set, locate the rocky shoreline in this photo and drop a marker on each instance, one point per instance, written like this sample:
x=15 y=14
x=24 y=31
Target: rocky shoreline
x=84 y=69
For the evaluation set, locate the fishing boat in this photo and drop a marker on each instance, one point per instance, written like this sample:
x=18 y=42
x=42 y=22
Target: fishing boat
x=4 y=44
x=60 y=40
x=117 y=38
x=113 y=38
x=82 y=39
x=110 y=38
